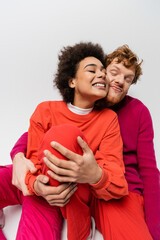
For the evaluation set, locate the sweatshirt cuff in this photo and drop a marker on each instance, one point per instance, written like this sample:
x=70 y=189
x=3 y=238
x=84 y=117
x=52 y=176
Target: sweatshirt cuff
x=29 y=181
x=102 y=181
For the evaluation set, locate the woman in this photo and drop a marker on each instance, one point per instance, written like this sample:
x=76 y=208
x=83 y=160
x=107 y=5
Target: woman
x=100 y=170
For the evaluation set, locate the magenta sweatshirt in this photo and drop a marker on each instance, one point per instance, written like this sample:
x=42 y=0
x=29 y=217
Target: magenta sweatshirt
x=142 y=174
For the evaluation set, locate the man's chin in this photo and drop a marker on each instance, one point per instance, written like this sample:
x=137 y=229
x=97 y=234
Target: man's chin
x=112 y=101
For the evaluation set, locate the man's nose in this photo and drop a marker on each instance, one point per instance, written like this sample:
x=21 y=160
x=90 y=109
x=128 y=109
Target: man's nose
x=120 y=79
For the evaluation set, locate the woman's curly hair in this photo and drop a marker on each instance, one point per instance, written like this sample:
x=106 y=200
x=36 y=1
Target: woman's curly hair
x=69 y=59
x=128 y=58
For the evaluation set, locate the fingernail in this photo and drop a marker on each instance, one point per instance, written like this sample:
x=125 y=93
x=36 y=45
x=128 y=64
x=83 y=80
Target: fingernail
x=52 y=144
x=45 y=152
x=45 y=179
x=80 y=138
x=45 y=159
x=49 y=172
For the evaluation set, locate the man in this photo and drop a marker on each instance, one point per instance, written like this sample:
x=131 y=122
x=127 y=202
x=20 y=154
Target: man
x=142 y=174
x=125 y=218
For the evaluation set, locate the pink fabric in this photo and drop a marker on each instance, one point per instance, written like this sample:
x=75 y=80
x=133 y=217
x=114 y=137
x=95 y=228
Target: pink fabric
x=2 y=237
x=9 y=194
x=39 y=220
x=20 y=145
x=47 y=219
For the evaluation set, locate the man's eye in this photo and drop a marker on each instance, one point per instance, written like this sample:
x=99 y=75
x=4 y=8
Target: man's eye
x=91 y=71
x=114 y=73
x=128 y=80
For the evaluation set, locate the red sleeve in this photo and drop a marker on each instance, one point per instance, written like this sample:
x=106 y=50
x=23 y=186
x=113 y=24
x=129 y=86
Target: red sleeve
x=20 y=145
x=39 y=124
x=109 y=156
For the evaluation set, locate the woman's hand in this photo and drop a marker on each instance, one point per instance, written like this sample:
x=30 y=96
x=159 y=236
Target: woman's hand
x=55 y=196
x=80 y=169
x=21 y=166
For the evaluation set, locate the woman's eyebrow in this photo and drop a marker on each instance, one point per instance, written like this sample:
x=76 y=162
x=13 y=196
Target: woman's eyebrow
x=91 y=64
x=94 y=65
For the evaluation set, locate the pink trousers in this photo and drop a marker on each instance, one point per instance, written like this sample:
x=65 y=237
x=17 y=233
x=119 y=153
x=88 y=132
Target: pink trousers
x=39 y=220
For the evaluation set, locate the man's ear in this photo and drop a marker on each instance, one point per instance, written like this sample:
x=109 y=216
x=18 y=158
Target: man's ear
x=72 y=83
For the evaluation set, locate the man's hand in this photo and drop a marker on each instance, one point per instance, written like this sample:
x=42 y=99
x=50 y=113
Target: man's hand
x=21 y=166
x=56 y=196
x=80 y=169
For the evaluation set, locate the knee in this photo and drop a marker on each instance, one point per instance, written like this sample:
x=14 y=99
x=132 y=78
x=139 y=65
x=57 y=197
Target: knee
x=6 y=174
x=65 y=134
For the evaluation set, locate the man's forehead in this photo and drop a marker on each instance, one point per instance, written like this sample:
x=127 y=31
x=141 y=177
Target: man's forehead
x=120 y=65
x=117 y=62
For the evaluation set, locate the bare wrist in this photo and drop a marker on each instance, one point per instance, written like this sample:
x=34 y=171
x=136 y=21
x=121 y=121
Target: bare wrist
x=19 y=155
x=98 y=175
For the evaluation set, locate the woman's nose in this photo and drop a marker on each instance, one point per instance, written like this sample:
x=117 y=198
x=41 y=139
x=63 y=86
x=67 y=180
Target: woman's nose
x=101 y=74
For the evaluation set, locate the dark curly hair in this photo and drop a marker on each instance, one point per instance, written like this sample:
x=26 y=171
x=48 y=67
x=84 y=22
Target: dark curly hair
x=69 y=59
x=128 y=58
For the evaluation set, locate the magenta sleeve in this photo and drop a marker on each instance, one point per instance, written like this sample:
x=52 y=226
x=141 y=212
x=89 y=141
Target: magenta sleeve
x=149 y=174
x=20 y=145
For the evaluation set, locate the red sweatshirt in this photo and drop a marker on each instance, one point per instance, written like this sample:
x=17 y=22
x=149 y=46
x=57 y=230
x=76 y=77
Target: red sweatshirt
x=102 y=132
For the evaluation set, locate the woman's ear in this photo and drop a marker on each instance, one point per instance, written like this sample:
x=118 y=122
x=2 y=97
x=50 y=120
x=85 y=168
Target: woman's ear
x=72 y=83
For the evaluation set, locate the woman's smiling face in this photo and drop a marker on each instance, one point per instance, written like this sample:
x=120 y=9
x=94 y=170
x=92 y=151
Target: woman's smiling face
x=89 y=83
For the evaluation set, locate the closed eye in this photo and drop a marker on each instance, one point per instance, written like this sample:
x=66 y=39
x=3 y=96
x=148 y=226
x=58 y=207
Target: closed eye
x=129 y=79
x=114 y=73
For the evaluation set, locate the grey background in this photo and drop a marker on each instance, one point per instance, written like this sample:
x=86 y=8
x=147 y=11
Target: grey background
x=33 y=31
x=32 y=34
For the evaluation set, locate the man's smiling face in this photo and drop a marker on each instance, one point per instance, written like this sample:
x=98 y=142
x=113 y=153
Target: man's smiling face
x=119 y=79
